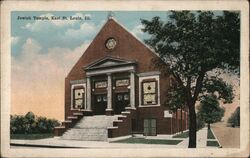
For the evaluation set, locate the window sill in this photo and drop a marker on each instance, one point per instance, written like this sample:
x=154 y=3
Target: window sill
x=149 y=105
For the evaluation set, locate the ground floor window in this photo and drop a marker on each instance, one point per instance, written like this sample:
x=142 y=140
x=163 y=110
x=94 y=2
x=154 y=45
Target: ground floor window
x=150 y=127
x=78 y=98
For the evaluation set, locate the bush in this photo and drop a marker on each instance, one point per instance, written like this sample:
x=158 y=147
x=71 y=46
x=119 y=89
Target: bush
x=31 y=124
x=234 y=119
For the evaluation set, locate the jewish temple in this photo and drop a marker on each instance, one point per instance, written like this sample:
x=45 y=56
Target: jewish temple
x=115 y=91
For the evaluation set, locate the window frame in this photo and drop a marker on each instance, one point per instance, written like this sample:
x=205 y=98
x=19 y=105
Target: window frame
x=83 y=97
x=143 y=94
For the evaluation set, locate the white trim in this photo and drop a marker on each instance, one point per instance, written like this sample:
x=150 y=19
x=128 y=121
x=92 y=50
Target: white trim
x=152 y=73
x=149 y=105
x=109 y=109
x=125 y=112
x=119 y=138
x=71 y=95
x=105 y=71
x=157 y=77
x=112 y=127
x=130 y=108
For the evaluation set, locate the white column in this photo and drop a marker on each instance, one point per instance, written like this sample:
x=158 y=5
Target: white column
x=109 y=95
x=88 y=93
x=132 y=89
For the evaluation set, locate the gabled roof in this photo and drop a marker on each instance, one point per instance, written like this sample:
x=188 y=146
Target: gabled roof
x=108 y=62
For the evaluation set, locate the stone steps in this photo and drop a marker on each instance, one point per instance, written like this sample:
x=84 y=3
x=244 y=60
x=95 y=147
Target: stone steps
x=91 y=128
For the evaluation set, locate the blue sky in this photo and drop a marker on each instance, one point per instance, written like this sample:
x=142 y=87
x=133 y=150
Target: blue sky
x=49 y=35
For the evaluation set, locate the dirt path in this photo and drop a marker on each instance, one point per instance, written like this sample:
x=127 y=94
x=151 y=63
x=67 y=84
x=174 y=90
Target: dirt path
x=228 y=137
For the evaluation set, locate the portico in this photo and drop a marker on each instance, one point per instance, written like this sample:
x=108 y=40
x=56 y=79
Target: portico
x=110 y=85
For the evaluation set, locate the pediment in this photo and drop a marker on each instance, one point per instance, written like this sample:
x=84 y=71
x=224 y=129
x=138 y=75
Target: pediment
x=109 y=62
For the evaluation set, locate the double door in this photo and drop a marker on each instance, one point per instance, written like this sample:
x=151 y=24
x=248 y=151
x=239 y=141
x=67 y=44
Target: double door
x=100 y=104
x=121 y=101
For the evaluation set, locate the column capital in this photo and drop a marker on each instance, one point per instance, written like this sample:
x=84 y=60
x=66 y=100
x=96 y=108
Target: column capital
x=132 y=71
x=109 y=74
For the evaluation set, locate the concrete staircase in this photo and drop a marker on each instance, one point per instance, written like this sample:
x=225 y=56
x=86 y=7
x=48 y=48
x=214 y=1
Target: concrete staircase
x=91 y=128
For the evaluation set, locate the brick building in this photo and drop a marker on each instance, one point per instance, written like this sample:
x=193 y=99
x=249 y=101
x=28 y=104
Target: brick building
x=116 y=76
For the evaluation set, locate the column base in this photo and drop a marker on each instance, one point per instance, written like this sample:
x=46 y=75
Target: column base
x=109 y=112
x=129 y=108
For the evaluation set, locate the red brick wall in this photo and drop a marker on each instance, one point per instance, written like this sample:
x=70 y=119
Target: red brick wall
x=128 y=48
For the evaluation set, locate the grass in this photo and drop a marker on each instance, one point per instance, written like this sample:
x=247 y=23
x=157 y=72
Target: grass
x=212 y=143
x=31 y=136
x=148 y=141
x=210 y=134
x=182 y=135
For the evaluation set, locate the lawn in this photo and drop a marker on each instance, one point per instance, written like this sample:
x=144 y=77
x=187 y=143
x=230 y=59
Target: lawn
x=148 y=141
x=182 y=135
x=212 y=143
x=210 y=134
x=31 y=136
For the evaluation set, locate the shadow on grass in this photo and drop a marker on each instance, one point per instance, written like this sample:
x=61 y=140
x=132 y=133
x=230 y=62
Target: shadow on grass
x=148 y=141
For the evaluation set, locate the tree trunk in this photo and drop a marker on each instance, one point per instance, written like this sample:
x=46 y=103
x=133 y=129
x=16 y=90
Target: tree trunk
x=192 y=126
x=208 y=125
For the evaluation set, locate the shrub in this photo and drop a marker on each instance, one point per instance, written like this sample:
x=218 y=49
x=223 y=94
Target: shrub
x=31 y=124
x=234 y=119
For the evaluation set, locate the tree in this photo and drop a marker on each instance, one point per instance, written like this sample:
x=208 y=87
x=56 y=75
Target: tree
x=210 y=110
x=194 y=45
x=234 y=119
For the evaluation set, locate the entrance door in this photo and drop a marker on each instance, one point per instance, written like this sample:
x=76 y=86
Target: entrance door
x=100 y=104
x=150 y=127
x=121 y=101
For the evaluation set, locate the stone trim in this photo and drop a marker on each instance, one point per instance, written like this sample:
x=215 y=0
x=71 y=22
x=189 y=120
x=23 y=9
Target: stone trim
x=152 y=73
x=77 y=81
x=113 y=70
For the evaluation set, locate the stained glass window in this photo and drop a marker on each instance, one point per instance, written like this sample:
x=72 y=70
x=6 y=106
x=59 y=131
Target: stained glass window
x=101 y=84
x=121 y=82
x=78 y=98
x=149 y=92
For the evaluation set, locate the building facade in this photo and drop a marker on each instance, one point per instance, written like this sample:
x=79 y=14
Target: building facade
x=116 y=75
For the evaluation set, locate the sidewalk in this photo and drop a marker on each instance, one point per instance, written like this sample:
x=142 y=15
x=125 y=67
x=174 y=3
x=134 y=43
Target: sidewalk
x=201 y=139
x=61 y=143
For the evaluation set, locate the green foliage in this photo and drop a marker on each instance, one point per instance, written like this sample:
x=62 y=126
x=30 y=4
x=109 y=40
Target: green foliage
x=177 y=100
x=234 y=119
x=209 y=110
x=214 y=84
x=193 y=44
x=200 y=123
x=31 y=124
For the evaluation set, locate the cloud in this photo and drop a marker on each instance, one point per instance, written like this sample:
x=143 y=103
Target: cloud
x=85 y=29
x=137 y=30
x=14 y=40
x=38 y=78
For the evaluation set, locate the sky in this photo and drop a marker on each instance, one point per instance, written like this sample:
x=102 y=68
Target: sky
x=44 y=51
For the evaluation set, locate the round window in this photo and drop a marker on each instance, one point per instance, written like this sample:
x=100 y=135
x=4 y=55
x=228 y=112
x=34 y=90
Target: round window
x=111 y=43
